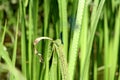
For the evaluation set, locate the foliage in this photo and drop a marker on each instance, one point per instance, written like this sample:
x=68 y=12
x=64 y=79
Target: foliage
x=60 y=39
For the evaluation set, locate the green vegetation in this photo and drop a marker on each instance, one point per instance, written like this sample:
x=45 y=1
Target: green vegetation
x=60 y=40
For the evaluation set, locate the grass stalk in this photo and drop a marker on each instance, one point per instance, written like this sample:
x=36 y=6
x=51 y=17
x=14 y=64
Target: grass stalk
x=11 y=68
x=77 y=39
x=3 y=36
x=23 y=38
x=15 y=48
x=113 y=63
x=36 y=64
x=45 y=28
x=63 y=23
x=106 y=45
x=83 y=41
x=74 y=48
x=90 y=40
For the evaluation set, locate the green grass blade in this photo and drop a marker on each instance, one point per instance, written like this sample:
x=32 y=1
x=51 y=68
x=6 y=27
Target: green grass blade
x=45 y=28
x=4 y=54
x=75 y=42
x=3 y=36
x=15 y=45
x=95 y=70
x=36 y=64
x=113 y=62
x=63 y=23
x=90 y=40
x=23 y=37
x=93 y=5
x=46 y=59
x=30 y=38
x=53 y=70
x=15 y=49
x=106 y=45
x=46 y=15
x=83 y=41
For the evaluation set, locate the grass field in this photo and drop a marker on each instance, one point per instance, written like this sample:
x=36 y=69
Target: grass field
x=59 y=39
